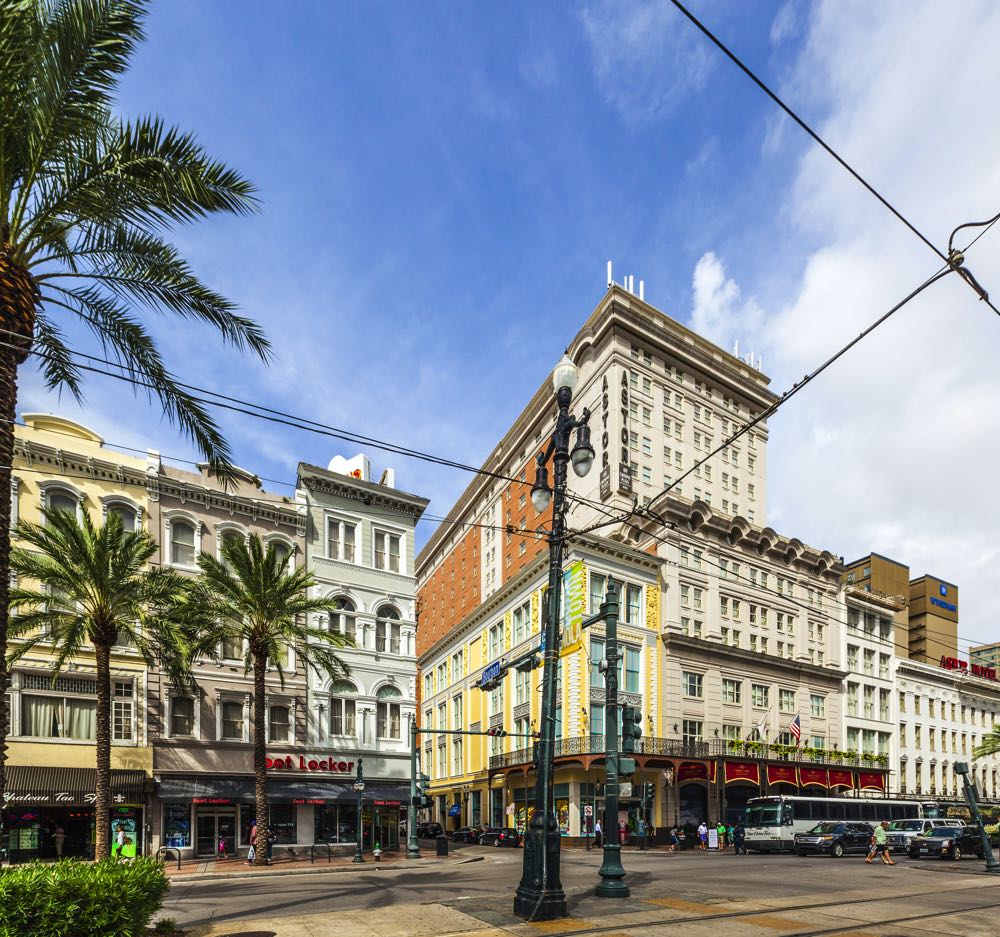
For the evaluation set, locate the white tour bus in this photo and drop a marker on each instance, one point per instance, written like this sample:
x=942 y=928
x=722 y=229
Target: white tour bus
x=772 y=822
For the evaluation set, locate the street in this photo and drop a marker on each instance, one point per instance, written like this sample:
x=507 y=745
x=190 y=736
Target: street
x=930 y=896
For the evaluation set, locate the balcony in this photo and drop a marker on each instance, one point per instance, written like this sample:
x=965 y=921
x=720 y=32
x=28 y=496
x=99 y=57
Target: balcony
x=594 y=745
x=762 y=751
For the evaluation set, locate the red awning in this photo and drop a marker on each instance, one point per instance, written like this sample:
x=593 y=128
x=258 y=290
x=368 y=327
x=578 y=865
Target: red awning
x=692 y=771
x=781 y=774
x=841 y=778
x=742 y=771
x=814 y=776
x=871 y=781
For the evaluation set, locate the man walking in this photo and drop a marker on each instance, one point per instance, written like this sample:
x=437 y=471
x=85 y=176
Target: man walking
x=881 y=845
x=598 y=837
x=738 y=835
x=702 y=835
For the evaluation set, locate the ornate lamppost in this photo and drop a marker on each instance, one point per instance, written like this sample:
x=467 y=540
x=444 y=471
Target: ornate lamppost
x=359 y=788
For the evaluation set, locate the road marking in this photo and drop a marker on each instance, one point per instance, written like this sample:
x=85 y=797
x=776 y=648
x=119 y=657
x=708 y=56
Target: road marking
x=776 y=923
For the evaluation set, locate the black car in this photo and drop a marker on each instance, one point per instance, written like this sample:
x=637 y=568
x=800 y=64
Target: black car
x=467 y=834
x=834 y=838
x=498 y=836
x=947 y=842
x=429 y=830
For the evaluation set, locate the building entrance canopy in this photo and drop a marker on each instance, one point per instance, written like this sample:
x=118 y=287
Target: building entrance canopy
x=241 y=790
x=28 y=785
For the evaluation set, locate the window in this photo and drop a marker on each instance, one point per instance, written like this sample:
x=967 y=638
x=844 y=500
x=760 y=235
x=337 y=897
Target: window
x=63 y=501
x=495 y=640
x=232 y=648
x=786 y=701
x=596 y=656
x=456 y=667
x=817 y=704
x=58 y=717
x=181 y=543
x=387 y=715
x=597 y=724
x=522 y=622
x=631 y=669
x=341 y=540
x=387 y=546
x=278 y=724
x=456 y=752
x=522 y=686
x=759 y=695
x=852 y=699
x=732 y=691
x=342 y=619
x=692 y=731
x=282 y=552
x=692 y=683
x=387 y=630
x=852 y=657
x=342 y=709
x=182 y=716
x=632 y=604
x=122 y=729
x=232 y=721
x=731 y=732
x=124 y=513
x=817 y=741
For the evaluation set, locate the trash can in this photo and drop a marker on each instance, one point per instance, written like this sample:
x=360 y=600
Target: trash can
x=442 y=845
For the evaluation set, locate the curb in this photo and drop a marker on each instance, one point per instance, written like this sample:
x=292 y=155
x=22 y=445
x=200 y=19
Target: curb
x=312 y=870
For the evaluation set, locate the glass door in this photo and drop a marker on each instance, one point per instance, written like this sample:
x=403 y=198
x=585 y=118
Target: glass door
x=215 y=834
x=205 y=842
x=225 y=832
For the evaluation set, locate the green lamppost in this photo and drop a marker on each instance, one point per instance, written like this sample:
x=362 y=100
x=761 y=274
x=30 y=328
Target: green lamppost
x=540 y=896
x=412 y=844
x=359 y=788
x=962 y=768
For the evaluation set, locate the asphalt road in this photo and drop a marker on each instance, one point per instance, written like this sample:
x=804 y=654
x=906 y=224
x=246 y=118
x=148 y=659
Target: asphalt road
x=489 y=884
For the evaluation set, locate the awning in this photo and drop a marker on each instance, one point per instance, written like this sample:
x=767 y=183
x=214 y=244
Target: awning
x=203 y=789
x=742 y=771
x=30 y=784
x=781 y=774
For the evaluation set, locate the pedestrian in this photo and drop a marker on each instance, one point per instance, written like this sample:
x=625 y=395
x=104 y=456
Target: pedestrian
x=252 y=851
x=675 y=840
x=881 y=844
x=271 y=839
x=739 y=835
x=643 y=830
x=702 y=835
x=119 y=842
x=59 y=835
x=729 y=834
x=622 y=832
x=598 y=835
x=721 y=831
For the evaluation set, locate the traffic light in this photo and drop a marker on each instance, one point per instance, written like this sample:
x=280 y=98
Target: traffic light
x=496 y=732
x=423 y=799
x=631 y=728
x=648 y=792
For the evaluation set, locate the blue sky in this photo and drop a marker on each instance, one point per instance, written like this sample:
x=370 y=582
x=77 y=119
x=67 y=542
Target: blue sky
x=442 y=185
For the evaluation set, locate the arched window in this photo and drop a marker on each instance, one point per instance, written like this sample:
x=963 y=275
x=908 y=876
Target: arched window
x=232 y=721
x=58 y=499
x=124 y=513
x=232 y=648
x=181 y=543
x=281 y=551
x=278 y=723
x=387 y=630
x=342 y=708
x=388 y=712
x=181 y=716
x=342 y=619
x=228 y=536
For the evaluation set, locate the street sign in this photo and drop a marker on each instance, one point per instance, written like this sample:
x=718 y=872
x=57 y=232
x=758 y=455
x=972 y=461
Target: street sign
x=588 y=811
x=491 y=672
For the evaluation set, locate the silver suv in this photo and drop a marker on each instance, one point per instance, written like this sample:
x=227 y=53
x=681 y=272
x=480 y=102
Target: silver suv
x=900 y=832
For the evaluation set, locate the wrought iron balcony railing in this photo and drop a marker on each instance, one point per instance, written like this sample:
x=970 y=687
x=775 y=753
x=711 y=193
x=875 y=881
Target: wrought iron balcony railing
x=594 y=745
x=801 y=754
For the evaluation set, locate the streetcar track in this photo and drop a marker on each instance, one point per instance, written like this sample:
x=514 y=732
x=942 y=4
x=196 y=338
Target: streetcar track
x=853 y=926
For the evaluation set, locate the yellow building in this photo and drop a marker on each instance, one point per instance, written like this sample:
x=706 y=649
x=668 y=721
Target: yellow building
x=489 y=780
x=62 y=465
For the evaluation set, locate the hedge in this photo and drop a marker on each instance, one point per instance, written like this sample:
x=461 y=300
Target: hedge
x=72 y=898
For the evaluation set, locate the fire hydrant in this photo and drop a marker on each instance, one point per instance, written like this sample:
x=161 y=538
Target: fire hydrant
x=378 y=851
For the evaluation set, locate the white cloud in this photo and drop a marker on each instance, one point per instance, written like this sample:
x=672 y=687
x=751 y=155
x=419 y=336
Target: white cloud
x=646 y=56
x=894 y=448
x=720 y=313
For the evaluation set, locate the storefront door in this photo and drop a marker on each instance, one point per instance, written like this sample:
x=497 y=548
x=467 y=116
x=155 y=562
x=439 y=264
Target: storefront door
x=215 y=833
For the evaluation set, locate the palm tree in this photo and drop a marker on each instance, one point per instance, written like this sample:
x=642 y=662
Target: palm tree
x=250 y=598
x=90 y=589
x=990 y=745
x=85 y=197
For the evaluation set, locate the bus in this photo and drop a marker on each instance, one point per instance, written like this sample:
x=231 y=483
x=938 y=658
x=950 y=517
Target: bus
x=772 y=822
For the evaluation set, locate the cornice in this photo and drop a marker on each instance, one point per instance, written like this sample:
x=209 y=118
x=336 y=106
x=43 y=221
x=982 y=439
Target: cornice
x=321 y=481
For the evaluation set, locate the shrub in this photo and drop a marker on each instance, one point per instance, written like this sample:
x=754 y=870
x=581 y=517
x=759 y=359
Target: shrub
x=81 y=899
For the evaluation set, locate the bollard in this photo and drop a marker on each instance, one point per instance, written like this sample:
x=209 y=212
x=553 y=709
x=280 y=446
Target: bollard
x=442 y=845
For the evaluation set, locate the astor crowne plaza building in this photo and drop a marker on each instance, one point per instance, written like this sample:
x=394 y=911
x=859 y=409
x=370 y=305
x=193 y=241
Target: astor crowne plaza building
x=730 y=630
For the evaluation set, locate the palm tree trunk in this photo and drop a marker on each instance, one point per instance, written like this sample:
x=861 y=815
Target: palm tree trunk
x=260 y=754
x=8 y=403
x=103 y=802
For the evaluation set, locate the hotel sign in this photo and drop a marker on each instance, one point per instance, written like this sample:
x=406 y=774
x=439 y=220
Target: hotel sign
x=977 y=670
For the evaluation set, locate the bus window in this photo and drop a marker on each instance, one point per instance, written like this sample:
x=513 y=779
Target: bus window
x=763 y=815
x=787 y=815
x=870 y=812
x=820 y=810
x=899 y=812
x=853 y=811
x=836 y=811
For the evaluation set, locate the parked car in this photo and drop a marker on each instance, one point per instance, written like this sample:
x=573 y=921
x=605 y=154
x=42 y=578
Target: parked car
x=902 y=832
x=498 y=836
x=834 y=838
x=947 y=842
x=429 y=830
x=467 y=834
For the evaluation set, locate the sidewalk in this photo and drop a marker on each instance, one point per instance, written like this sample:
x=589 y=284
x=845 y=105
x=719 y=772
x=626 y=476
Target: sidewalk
x=207 y=870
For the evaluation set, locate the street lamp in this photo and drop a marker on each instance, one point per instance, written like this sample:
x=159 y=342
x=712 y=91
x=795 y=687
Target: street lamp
x=539 y=895
x=359 y=788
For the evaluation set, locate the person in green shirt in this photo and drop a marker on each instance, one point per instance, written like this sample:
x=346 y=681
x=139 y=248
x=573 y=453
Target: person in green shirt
x=881 y=846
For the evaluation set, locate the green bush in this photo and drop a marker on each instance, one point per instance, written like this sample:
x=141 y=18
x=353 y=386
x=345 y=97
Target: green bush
x=81 y=899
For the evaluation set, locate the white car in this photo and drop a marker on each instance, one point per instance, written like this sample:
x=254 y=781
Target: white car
x=901 y=832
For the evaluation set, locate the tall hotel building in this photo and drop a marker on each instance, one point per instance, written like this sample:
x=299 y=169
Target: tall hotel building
x=729 y=629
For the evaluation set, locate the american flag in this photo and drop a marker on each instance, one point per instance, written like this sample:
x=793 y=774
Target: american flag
x=795 y=727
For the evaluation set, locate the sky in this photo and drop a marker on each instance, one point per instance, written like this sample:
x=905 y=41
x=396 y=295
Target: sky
x=442 y=184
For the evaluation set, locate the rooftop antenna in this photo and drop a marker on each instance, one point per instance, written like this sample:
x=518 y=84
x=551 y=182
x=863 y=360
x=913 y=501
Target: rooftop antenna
x=631 y=284
x=642 y=291
x=611 y=281
x=736 y=348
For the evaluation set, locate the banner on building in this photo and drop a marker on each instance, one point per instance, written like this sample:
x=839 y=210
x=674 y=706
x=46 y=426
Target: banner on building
x=782 y=774
x=742 y=771
x=815 y=776
x=840 y=778
x=692 y=771
x=574 y=605
x=871 y=781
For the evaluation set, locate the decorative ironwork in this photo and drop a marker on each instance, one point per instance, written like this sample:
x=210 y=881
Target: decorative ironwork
x=522 y=710
x=594 y=745
x=496 y=720
x=763 y=751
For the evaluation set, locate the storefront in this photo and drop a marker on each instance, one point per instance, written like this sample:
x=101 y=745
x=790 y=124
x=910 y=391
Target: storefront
x=49 y=812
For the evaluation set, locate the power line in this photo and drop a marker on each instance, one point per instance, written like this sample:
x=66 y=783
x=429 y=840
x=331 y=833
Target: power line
x=736 y=60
